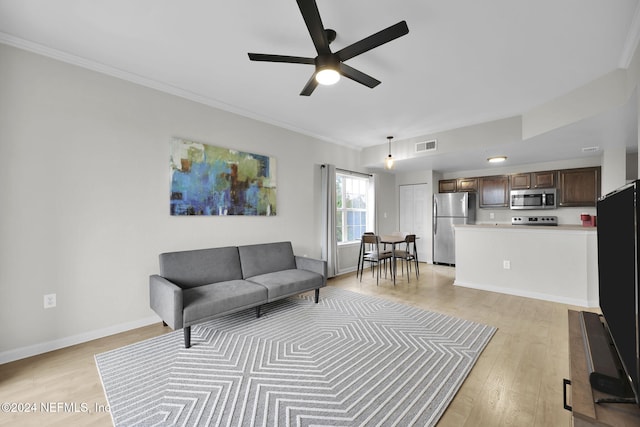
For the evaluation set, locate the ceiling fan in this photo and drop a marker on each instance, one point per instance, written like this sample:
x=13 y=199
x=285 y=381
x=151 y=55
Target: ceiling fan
x=330 y=65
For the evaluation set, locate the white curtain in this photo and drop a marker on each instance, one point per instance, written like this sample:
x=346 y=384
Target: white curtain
x=330 y=251
x=329 y=244
x=372 y=224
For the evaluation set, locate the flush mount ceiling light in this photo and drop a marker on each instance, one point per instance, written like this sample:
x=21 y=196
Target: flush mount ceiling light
x=388 y=162
x=497 y=159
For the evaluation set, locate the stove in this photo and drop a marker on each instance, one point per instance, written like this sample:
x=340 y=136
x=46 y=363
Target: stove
x=534 y=220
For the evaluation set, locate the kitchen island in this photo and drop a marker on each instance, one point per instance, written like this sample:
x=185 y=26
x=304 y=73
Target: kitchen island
x=554 y=263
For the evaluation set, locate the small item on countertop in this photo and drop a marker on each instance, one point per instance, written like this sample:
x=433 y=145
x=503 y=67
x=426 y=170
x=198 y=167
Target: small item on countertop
x=588 y=220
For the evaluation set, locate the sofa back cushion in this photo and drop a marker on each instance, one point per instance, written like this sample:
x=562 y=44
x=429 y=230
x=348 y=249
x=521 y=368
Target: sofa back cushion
x=266 y=258
x=189 y=269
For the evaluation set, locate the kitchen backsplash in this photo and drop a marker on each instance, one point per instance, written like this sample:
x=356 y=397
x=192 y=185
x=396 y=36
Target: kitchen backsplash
x=566 y=216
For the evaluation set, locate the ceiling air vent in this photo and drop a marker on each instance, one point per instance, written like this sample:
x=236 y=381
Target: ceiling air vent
x=590 y=149
x=421 y=147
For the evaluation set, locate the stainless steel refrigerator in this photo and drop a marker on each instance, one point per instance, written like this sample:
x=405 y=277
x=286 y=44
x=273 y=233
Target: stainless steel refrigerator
x=450 y=209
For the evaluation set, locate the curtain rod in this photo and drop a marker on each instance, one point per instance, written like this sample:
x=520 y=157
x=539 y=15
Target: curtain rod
x=350 y=172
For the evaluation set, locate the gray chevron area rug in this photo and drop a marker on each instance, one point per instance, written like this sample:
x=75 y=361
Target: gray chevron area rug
x=350 y=360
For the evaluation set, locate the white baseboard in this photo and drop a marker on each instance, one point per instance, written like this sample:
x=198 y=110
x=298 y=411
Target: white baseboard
x=40 y=348
x=529 y=294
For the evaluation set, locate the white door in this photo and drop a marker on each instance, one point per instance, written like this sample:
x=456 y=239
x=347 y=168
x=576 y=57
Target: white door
x=414 y=216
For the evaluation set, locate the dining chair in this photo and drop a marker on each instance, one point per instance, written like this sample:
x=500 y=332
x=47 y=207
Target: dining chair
x=375 y=257
x=363 y=250
x=408 y=254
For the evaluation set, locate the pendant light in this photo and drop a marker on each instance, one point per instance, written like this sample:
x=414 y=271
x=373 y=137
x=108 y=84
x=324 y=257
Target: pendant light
x=388 y=163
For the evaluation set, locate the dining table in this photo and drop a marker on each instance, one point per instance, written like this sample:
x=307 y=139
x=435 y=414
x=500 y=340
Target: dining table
x=393 y=240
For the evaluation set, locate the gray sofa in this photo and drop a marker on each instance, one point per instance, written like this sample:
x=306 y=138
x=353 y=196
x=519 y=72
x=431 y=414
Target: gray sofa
x=199 y=285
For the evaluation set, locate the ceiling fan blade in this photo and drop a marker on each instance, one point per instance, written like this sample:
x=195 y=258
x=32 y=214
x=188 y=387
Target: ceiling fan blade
x=373 y=41
x=311 y=16
x=280 y=58
x=310 y=86
x=358 y=76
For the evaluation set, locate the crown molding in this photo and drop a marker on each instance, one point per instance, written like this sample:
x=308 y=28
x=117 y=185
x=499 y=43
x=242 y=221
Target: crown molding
x=68 y=58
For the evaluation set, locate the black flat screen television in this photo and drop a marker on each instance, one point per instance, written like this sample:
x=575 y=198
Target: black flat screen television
x=618 y=239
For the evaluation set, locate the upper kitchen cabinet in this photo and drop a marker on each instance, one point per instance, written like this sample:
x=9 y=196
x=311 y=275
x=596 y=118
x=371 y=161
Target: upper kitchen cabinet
x=455 y=185
x=545 y=179
x=468 y=184
x=447 y=186
x=578 y=187
x=521 y=181
x=494 y=191
x=525 y=181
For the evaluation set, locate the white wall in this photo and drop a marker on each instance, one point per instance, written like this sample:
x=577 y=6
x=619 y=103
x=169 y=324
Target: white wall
x=544 y=262
x=614 y=172
x=488 y=134
x=386 y=203
x=85 y=197
x=602 y=94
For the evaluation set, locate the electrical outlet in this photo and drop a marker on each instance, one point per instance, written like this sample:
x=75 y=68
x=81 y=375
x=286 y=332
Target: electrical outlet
x=492 y=215
x=506 y=264
x=49 y=300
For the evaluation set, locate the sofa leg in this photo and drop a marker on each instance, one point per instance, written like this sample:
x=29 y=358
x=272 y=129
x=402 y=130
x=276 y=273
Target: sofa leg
x=317 y=295
x=258 y=310
x=187 y=336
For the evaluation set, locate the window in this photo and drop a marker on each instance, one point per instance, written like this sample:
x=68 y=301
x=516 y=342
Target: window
x=352 y=200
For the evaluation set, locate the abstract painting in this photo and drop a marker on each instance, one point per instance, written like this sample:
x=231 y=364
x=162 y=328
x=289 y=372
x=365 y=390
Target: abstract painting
x=209 y=180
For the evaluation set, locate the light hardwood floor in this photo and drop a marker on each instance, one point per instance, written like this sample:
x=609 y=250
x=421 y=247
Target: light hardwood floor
x=516 y=382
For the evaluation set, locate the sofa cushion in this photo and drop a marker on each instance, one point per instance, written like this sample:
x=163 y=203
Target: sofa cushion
x=266 y=258
x=201 y=267
x=203 y=302
x=288 y=282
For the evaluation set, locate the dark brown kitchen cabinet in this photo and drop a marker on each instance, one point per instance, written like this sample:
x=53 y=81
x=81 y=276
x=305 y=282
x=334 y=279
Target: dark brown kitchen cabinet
x=494 y=191
x=544 y=179
x=467 y=184
x=521 y=181
x=525 y=181
x=578 y=187
x=447 y=186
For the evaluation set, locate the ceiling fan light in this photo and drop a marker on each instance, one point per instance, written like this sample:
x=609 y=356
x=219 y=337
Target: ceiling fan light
x=327 y=76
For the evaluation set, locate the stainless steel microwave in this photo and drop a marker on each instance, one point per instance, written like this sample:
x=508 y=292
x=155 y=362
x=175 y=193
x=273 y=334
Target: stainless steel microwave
x=533 y=199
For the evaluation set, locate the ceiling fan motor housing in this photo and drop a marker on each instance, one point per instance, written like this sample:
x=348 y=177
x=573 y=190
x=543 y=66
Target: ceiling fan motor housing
x=331 y=34
x=327 y=61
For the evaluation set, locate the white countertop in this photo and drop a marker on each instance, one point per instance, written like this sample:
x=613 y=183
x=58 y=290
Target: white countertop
x=528 y=227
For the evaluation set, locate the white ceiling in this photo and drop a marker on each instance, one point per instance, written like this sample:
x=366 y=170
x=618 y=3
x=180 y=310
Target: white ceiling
x=463 y=62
